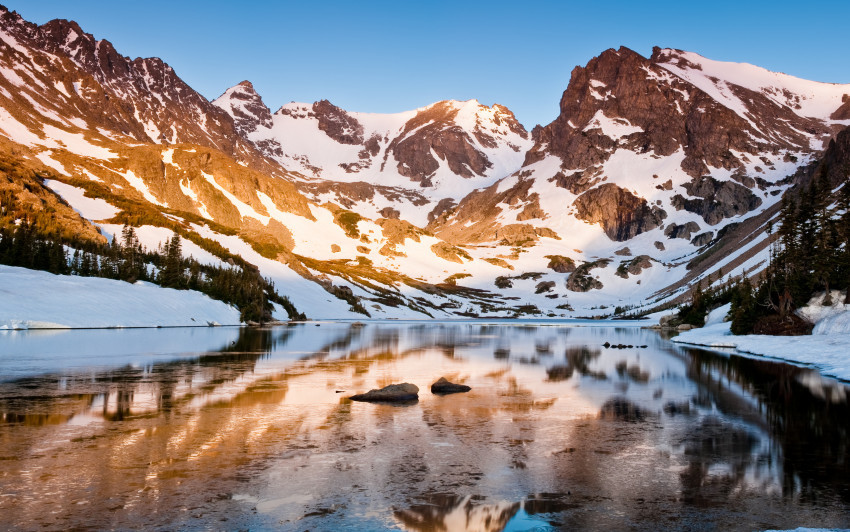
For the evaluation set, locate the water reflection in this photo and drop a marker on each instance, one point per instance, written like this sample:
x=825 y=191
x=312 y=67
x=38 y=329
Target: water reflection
x=558 y=431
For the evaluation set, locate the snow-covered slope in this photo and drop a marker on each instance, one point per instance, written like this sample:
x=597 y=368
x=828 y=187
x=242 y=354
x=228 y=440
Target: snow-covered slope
x=653 y=157
x=40 y=300
x=724 y=81
x=444 y=150
x=452 y=208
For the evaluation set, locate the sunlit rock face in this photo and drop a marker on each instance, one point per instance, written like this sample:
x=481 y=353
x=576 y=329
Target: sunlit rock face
x=661 y=155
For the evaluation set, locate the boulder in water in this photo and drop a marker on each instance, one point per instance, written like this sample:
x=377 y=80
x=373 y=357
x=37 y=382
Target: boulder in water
x=444 y=387
x=394 y=393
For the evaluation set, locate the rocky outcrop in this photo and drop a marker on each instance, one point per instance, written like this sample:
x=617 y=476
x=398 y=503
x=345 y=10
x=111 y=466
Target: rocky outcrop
x=681 y=230
x=560 y=264
x=337 y=124
x=396 y=232
x=474 y=220
x=581 y=279
x=715 y=200
x=544 y=286
x=621 y=214
x=449 y=252
x=634 y=266
x=578 y=182
x=433 y=132
x=835 y=163
x=843 y=112
x=390 y=213
x=394 y=393
x=703 y=239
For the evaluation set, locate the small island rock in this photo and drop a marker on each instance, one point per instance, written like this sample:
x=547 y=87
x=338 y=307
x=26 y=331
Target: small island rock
x=392 y=393
x=443 y=386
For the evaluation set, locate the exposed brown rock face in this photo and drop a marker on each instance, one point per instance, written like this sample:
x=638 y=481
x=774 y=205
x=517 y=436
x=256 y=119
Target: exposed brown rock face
x=436 y=130
x=577 y=182
x=672 y=113
x=835 y=163
x=634 y=266
x=703 y=238
x=337 y=124
x=474 y=219
x=544 y=286
x=561 y=264
x=717 y=199
x=443 y=206
x=396 y=232
x=24 y=196
x=581 y=280
x=450 y=253
x=843 y=112
x=621 y=214
x=248 y=109
x=681 y=230
x=390 y=213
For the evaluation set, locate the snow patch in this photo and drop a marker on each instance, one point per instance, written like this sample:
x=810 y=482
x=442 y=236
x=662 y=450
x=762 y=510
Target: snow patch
x=139 y=184
x=89 y=208
x=614 y=128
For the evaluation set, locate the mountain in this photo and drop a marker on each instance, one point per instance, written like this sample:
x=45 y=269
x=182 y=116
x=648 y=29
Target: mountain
x=657 y=172
x=441 y=151
x=664 y=154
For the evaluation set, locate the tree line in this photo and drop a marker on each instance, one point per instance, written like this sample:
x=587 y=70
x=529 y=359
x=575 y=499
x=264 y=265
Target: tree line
x=811 y=255
x=126 y=259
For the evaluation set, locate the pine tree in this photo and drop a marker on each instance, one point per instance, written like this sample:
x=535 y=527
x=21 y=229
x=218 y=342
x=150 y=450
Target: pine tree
x=172 y=274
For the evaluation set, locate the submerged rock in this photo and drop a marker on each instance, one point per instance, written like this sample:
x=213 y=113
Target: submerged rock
x=443 y=386
x=393 y=393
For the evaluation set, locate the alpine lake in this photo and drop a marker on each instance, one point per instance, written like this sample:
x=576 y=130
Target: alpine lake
x=228 y=428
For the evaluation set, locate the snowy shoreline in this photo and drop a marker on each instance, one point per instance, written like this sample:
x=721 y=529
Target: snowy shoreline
x=827 y=350
x=31 y=299
x=37 y=300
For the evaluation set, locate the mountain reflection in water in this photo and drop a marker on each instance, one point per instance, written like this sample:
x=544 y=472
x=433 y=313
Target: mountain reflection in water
x=251 y=428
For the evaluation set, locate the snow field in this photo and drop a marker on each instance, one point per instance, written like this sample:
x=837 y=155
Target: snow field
x=34 y=299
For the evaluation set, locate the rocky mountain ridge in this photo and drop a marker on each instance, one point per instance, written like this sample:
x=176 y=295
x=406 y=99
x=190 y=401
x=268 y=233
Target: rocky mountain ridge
x=453 y=208
x=438 y=152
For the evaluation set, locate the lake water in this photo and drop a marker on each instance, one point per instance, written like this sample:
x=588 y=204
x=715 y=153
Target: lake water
x=229 y=428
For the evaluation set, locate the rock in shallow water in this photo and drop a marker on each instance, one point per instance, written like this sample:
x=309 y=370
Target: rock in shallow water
x=392 y=393
x=443 y=386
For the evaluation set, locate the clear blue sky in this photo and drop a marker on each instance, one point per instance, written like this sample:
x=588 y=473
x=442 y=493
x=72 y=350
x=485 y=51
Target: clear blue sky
x=390 y=56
